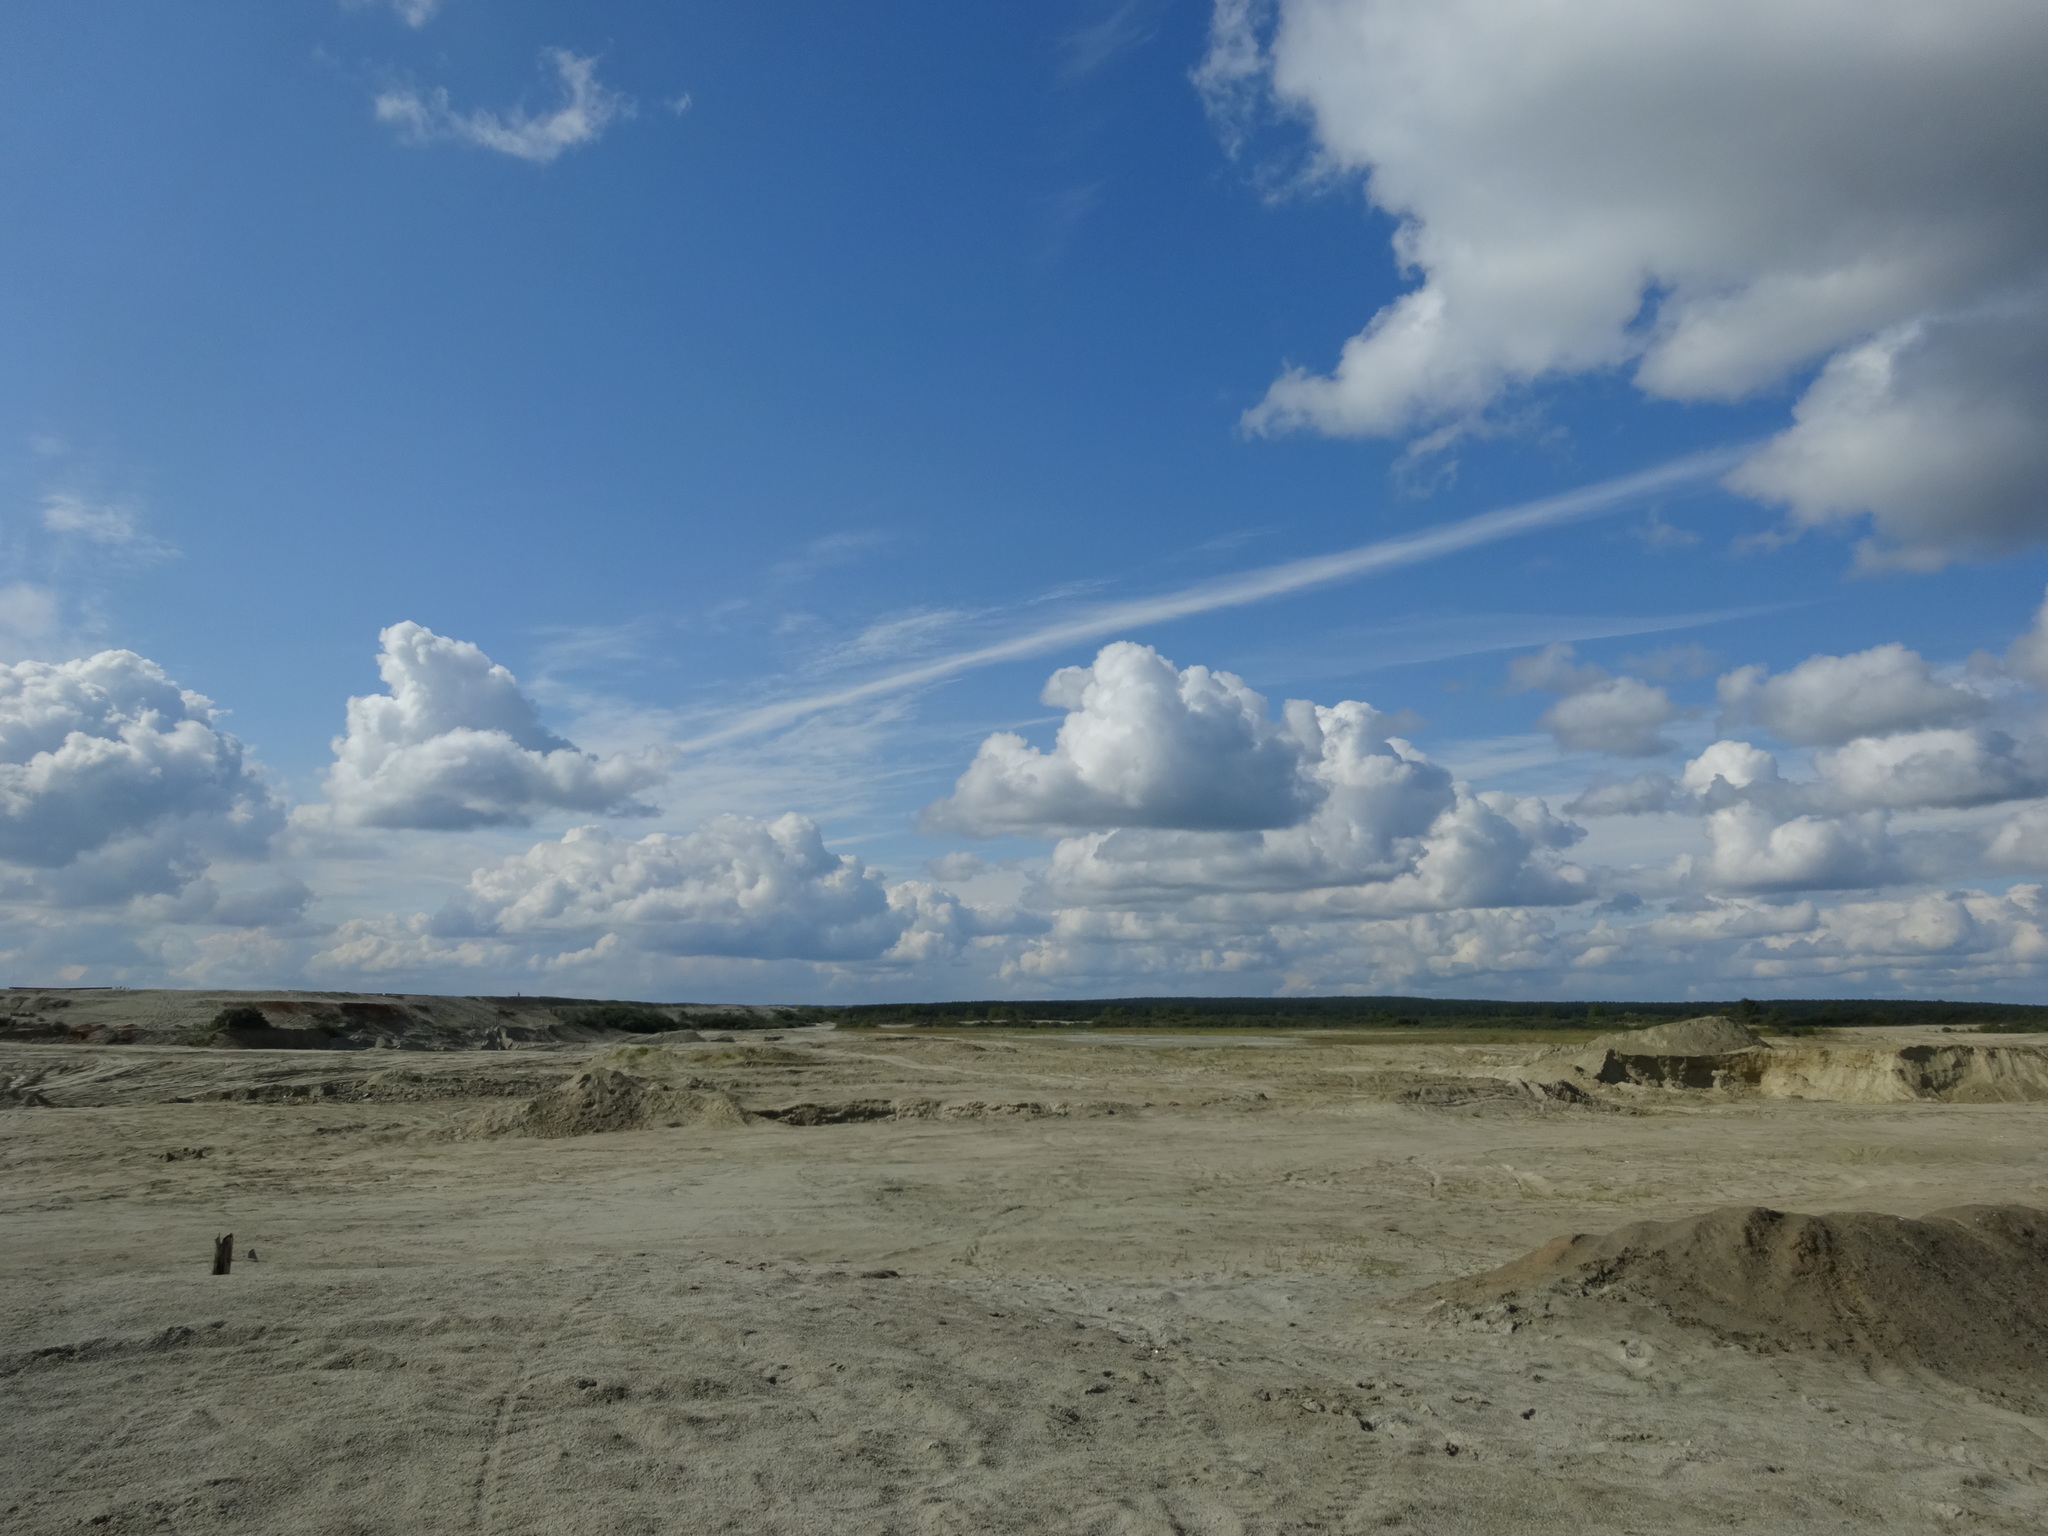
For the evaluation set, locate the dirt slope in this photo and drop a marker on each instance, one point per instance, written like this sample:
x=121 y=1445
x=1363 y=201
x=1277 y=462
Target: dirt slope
x=1961 y=1292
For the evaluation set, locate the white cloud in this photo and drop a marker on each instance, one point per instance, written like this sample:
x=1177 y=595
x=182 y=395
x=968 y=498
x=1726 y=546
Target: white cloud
x=1752 y=850
x=1950 y=940
x=1935 y=428
x=587 y=109
x=1413 y=842
x=1643 y=795
x=455 y=744
x=2028 y=655
x=414 y=13
x=2020 y=842
x=1620 y=716
x=1830 y=699
x=379 y=946
x=737 y=888
x=1599 y=712
x=1246 y=587
x=1122 y=25
x=1934 y=768
x=1552 y=670
x=115 y=782
x=1191 y=790
x=1736 y=764
x=1717 y=192
x=104 y=523
x=1143 y=745
x=30 y=618
x=958 y=865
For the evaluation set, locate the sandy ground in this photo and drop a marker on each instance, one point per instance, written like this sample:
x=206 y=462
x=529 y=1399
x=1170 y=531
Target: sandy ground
x=1101 y=1284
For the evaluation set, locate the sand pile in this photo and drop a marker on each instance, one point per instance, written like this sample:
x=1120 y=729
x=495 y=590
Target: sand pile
x=1960 y=1292
x=1711 y=1051
x=604 y=1099
x=1711 y=1034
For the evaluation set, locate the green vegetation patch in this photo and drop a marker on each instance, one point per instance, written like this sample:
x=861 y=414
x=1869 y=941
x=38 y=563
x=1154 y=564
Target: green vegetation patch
x=633 y=1018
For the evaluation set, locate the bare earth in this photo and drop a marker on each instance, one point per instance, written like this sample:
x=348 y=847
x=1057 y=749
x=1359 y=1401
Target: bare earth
x=918 y=1282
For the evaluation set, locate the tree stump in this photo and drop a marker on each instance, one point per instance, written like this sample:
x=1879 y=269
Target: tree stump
x=223 y=1253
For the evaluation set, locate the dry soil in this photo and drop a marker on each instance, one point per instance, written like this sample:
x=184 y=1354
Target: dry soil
x=923 y=1282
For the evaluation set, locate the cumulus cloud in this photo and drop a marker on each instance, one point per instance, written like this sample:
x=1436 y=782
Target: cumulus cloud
x=1716 y=192
x=1599 y=712
x=1143 y=745
x=1176 y=783
x=116 y=782
x=2020 y=842
x=1957 y=939
x=1935 y=428
x=455 y=744
x=1916 y=769
x=737 y=888
x=1733 y=764
x=1826 y=700
x=1620 y=716
x=587 y=109
x=1428 y=845
x=1753 y=850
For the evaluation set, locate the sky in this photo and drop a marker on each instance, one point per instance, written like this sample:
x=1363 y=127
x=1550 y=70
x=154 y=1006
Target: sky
x=796 y=502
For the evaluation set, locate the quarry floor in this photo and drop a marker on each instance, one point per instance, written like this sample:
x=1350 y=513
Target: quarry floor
x=1101 y=1283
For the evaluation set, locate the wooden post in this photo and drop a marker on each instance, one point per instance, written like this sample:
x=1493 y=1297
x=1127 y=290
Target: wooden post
x=223 y=1253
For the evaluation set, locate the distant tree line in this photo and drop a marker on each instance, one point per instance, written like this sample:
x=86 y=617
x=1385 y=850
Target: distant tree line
x=1794 y=1014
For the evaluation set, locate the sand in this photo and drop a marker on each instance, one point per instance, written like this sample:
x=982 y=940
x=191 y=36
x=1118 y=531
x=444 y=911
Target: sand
x=992 y=1282
x=1709 y=1035
x=1962 y=1293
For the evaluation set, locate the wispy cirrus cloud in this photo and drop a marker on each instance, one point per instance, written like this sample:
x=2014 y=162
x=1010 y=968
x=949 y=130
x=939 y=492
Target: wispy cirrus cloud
x=1122 y=26
x=1246 y=588
x=414 y=13
x=587 y=109
x=113 y=526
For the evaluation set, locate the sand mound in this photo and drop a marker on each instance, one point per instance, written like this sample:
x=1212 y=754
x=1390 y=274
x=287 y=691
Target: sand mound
x=602 y=1099
x=1712 y=1034
x=1961 y=1292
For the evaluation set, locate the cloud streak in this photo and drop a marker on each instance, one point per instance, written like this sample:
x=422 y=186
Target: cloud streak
x=1250 y=587
x=587 y=109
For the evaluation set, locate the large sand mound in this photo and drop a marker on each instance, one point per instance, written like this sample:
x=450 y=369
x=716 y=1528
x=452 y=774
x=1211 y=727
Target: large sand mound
x=603 y=1099
x=1711 y=1034
x=1961 y=1292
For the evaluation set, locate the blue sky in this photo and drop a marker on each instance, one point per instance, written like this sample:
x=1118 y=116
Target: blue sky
x=778 y=396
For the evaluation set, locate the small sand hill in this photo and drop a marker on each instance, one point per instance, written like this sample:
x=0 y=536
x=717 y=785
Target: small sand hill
x=604 y=1099
x=1961 y=1292
x=1711 y=1034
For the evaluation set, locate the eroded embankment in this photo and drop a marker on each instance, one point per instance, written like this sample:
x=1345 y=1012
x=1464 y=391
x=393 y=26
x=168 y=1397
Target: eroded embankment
x=1952 y=1074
